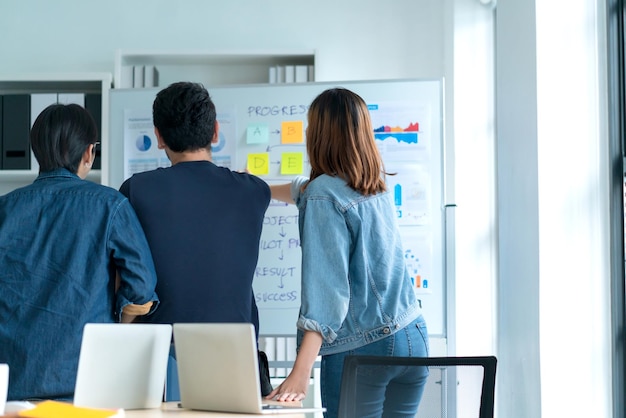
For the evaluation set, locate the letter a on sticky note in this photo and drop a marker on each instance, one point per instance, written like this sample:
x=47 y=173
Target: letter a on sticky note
x=259 y=164
x=257 y=134
x=291 y=132
x=291 y=163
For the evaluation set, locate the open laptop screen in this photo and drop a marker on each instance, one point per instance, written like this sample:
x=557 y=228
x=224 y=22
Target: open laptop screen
x=122 y=365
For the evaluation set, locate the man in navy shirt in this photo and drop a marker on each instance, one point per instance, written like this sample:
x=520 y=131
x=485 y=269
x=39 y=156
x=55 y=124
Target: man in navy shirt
x=203 y=222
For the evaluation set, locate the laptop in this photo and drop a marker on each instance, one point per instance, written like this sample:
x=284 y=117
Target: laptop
x=218 y=370
x=122 y=366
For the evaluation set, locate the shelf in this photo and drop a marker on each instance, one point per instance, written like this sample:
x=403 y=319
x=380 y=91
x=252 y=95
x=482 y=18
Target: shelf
x=55 y=82
x=208 y=67
x=59 y=83
x=215 y=58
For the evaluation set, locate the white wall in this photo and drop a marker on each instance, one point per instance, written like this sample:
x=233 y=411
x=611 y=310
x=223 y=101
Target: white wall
x=355 y=40
x=517 y=160
x=547 y=200
x=553 y=171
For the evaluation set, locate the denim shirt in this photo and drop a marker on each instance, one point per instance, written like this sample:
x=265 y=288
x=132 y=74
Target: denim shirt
x=356 y=288
x=61 y=241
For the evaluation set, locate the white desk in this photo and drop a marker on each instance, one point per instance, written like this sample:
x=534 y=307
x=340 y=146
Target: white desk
x=171 y=410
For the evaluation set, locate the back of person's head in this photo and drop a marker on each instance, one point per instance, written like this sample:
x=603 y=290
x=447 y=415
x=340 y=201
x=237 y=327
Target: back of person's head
x=185 y=115
x=60 y=136
x=340 y=141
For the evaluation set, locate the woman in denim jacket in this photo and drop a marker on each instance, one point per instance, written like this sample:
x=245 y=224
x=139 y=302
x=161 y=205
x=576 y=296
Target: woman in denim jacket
x=357 y=296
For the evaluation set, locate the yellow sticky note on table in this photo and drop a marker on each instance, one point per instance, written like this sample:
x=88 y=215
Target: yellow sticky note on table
x=56 y=409
x=291 y=132
x=291 y=163
x=259 y=164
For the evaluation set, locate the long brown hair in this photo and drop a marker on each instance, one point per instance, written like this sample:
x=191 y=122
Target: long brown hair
x=340 y=141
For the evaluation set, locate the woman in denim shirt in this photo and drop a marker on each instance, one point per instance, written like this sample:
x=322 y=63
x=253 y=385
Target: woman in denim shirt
x=357 y=296
x=62 y=241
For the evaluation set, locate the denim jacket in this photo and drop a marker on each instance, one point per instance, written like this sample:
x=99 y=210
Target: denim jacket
x=61 y=241
x=355 y=285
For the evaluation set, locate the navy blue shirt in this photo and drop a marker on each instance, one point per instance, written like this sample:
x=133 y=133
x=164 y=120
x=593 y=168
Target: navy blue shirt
x=61 y=241
x=203 y=224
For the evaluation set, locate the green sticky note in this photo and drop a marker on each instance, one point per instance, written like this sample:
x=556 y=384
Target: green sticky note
x=257 y=134
x=291 y=163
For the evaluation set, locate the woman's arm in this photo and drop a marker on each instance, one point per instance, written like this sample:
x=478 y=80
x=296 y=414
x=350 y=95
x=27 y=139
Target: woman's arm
x=282 y=192
x=295 y=386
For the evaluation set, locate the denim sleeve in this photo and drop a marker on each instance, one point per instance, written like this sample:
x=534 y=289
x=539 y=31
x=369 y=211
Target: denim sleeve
x=131 y=256
x=325 y=258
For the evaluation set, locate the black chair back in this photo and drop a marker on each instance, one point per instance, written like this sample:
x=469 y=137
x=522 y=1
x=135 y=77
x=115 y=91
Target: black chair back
x=453 y=370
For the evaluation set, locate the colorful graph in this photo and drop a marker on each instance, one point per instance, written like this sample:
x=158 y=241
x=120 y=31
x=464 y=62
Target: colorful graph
x=406 y=135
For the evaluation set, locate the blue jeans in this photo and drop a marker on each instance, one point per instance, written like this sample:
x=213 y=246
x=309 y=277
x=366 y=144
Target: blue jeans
x=384 y=390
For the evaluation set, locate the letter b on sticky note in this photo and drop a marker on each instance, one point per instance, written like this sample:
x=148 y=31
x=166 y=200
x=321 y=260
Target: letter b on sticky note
x=291 y=132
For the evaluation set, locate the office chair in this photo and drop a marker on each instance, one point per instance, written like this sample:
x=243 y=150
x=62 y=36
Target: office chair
x=452 y=389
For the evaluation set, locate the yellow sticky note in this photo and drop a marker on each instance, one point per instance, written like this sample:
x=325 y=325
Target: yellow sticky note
x=257 y=134
x=291 y=132
x=291 y=163
x=53 y=409
x=259 y=164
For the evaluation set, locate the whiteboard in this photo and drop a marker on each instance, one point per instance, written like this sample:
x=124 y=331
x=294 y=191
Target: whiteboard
x=255 y=121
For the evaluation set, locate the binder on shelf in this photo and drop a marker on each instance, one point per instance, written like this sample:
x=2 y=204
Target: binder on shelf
x=272 y=75
x=280 y=74
x=269 y=347
x=311 y=73
x=281 y=355
x=290 y=74
x=38 y=102
x=291 y=351
x=138 y=73
x=302 y=74
x=16 y=132
x=93 y=104
x=69 y=98
x=126 y=76
x=150 y=76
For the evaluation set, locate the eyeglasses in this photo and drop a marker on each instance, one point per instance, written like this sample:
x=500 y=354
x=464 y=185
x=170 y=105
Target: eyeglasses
x=96 y=147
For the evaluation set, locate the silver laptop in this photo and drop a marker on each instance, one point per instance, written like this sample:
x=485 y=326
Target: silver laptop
x=122 y=365
x=218 y=370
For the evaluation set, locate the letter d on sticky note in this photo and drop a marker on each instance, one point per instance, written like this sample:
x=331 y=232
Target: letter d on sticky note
x=259 y=164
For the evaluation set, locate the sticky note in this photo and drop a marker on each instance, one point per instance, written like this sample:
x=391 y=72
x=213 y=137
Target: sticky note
x=291 y=163
x=259 y=164
x=65 y=409
x=257 y=134
x=291 y=132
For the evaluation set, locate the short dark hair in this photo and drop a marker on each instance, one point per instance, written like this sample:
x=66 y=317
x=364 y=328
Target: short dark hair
x=185 y=116
x=60 y=136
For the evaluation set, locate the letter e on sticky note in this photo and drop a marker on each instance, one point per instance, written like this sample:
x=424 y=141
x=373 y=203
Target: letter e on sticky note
x=291 y=163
